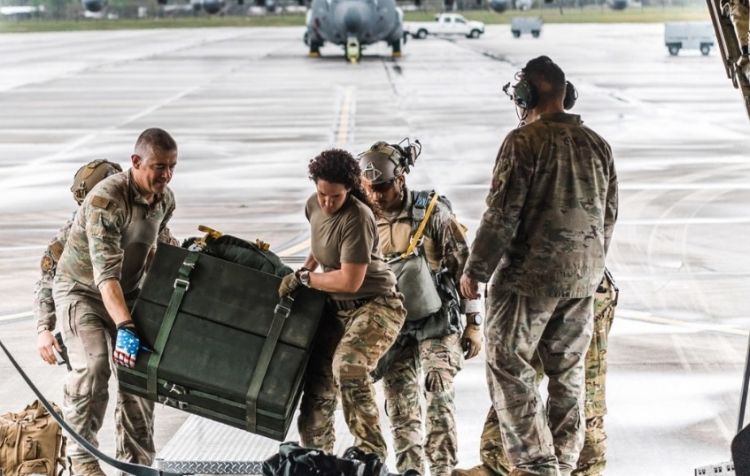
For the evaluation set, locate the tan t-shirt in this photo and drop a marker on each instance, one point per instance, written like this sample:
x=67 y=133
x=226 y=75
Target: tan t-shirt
x=349 y=236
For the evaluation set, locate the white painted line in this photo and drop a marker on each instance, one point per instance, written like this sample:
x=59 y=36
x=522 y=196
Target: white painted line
x=17 y=316
x=648 y=317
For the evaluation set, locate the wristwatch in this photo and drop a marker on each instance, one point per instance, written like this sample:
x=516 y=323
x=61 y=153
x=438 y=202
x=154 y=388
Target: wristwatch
x=474 y=318
x=304 y=277
x=42 y=328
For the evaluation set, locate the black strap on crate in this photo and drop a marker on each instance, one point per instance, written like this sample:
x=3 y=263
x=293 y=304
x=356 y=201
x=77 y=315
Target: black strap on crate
x=181 y=286
x=280 y=315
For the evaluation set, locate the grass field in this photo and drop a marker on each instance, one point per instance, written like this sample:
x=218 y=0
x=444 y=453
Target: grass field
x=550 y=15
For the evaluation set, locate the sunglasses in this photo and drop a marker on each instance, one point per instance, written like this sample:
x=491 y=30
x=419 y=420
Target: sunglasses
x=383 y=186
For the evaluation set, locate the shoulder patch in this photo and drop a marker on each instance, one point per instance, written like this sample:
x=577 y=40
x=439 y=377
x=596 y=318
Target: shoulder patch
x=47 y=264
x=100 y=202
x=55 y=250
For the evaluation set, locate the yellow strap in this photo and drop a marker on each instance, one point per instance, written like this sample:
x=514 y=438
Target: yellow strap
x=422 y=225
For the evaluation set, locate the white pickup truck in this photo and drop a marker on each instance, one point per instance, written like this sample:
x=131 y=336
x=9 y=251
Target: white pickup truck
x=445 y=24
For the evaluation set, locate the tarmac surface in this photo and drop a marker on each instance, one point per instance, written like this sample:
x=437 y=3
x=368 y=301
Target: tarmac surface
x=249 y=109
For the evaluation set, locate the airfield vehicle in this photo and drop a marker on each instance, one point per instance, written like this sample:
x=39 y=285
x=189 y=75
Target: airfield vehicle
x=688 y=35
x=527 y=25
x=445 y=24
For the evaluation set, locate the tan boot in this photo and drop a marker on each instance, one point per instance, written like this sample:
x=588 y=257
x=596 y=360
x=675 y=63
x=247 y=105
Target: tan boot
x=478 y=470
x=90 y=468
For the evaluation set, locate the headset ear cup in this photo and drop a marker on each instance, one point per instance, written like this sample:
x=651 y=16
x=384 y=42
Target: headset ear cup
x=571 y=95
x=525 y=94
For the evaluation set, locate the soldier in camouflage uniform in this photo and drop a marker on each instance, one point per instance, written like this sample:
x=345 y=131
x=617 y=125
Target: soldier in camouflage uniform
x=367 y=311
x=592 y=460
x=739 y=14
x=431 y=344
x=97 y=276
x=543 y=239
x=44 y=306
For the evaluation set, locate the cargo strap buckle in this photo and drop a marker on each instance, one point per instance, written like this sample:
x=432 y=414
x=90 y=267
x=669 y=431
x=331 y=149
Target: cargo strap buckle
x=182 y=283
x=284 y=308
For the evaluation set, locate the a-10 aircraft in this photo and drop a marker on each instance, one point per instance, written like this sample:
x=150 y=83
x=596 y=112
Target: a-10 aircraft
x=354 y=24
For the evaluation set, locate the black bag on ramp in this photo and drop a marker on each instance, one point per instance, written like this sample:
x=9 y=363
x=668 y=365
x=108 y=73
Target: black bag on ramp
x=224 y=347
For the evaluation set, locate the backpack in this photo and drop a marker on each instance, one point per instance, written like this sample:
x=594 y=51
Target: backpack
x=294 y=460
x=31 y=442
x=242 y=252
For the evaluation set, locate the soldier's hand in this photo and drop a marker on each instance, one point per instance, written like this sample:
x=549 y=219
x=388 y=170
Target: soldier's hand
x=471 y=341
x=469 y=287
x=289 y=283
x=45 y=343
x=127 y=345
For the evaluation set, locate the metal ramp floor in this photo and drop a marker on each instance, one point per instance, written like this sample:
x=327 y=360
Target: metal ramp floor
x=202 y=446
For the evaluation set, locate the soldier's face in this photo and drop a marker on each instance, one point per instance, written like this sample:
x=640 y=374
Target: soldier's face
x=153 y=170
x=387 y=195
x=331 y=195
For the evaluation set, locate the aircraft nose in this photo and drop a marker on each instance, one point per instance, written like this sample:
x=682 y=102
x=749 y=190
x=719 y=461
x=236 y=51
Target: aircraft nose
x=353 y=20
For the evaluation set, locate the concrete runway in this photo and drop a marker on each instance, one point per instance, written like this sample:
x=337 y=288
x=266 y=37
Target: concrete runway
x=248 y=110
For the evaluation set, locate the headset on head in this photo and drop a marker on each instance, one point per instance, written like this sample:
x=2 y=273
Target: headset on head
x=524 y=95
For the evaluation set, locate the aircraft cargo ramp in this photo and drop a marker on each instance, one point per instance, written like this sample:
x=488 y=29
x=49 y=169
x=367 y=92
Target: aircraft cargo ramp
x=202 y=446
x=730 y=49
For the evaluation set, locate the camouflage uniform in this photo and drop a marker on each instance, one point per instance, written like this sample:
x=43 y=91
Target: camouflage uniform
x=738 y=13
x=357 y=331
x=347 y=348
x=592 y=460
x=433 y=347
x=112 y=234
x=44 y=305
x=551 y=211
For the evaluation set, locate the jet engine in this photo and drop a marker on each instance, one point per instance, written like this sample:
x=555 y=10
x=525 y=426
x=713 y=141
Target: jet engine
x=213 y=6
x=499 y=6
x=93 y=5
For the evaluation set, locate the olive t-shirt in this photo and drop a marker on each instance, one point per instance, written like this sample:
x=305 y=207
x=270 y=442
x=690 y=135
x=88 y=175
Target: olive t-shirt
x=349 y=236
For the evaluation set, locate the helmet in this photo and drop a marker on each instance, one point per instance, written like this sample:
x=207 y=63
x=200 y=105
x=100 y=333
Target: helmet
x=90 y=175
x=383 y=162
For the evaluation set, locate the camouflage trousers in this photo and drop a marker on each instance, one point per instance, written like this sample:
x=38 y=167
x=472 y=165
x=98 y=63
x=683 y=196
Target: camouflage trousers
x=592 y=459
x=738 y=13
x=440 y=359
x=557 y=331
x=89 y=334
x=346 y=351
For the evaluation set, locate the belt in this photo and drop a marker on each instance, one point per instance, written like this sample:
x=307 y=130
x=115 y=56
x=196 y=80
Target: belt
x=350 y=304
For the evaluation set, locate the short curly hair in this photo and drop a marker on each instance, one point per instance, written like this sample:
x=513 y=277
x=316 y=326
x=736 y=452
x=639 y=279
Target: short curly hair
x=339 y=166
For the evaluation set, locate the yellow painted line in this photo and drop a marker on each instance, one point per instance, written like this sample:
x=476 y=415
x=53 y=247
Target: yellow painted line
x=647 y=317
x=342 y=131
x=294 y=249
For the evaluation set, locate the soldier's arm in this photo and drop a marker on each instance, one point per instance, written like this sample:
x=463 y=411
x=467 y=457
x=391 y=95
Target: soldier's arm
x=104 y=219
x=44 y=306
x=114 y=301
x=610 y=214
x=511 y=176
x=449 y=236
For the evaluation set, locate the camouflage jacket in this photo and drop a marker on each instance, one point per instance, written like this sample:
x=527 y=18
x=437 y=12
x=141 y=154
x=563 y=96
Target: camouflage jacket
x=444 y=238
x=550 y=212
x=112 y=234
x=44 y=306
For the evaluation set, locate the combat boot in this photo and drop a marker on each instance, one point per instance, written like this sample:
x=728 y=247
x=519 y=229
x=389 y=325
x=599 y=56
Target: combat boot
x=90 y=468
x=478 y=470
